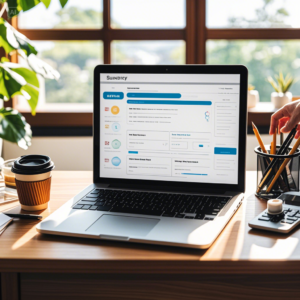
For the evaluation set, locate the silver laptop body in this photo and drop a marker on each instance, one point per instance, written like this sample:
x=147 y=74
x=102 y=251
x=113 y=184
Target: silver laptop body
x=169 y=156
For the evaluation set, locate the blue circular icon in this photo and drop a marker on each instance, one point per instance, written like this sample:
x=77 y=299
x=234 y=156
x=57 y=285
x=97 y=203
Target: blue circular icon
x=116 y=127
x=116 y=161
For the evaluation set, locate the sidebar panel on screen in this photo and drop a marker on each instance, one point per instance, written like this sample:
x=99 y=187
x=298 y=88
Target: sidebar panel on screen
x=170 y=127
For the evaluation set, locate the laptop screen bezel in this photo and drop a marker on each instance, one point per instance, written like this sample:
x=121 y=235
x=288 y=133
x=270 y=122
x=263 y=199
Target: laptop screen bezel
x=170 y=69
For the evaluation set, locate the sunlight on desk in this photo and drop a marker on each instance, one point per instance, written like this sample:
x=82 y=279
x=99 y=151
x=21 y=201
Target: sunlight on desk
x=24 y=238
x=282 y=249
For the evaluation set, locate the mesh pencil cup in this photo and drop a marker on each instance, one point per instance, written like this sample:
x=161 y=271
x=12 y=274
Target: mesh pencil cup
x=287 y=181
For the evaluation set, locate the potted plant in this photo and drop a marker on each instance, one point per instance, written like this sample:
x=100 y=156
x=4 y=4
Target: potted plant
x=253 y=96
x=281 y=85
x=19 y=79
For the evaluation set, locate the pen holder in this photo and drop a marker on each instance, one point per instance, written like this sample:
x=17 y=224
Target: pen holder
x=287 y=181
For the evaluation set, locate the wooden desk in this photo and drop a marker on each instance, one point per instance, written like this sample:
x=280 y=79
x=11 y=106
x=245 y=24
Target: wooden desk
x=241 y=264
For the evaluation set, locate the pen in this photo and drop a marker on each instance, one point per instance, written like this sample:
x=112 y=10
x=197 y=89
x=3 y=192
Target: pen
x=283 y=165
x=22 y=216
x=284 y=147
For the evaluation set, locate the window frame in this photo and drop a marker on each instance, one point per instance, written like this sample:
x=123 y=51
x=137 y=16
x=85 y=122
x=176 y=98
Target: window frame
x=195 y=35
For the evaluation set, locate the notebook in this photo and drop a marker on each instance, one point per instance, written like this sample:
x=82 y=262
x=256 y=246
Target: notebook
x=4 y=222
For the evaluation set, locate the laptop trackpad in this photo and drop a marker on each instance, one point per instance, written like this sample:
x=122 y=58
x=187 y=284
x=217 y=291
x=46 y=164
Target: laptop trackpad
x=122 y=226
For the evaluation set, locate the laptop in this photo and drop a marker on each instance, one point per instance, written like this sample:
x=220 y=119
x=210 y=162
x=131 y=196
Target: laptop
x=169 y=156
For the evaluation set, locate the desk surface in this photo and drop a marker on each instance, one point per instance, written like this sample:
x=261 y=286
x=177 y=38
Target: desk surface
x=237 y=250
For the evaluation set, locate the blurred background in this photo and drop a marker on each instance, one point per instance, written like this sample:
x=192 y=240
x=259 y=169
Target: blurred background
x=263 y=35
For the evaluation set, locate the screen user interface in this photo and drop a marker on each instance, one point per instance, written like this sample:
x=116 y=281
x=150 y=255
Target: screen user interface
x=172 y=127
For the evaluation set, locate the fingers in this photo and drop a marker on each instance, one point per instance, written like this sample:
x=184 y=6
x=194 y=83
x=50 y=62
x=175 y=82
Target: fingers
x=282 y=123
x=281 y=113
x=292 y=122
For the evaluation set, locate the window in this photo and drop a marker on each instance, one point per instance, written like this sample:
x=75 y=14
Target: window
x=148 y=14
x=266 y=53
x=148 y=52
x=75 y=61
x=262 y=34
x=76 y=14
x=262 y=58
x=253 y=14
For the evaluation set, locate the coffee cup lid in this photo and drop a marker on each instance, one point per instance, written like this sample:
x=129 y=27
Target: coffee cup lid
x=32 y=164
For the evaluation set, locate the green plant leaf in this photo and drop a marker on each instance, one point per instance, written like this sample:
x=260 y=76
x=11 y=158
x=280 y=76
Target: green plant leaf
x=17 y=80
x=11 y=39
x=46 y=2
x=28 y=4
x=10 y=83
x=287 y=85
x=33 y=93
x=42 y=68
x=13 y=128
x=4 y=59
x=13 y=8
x=8 y=46
x=283 y=83
x=273 y=84
x=281 y=77
x=63 y=3
x=29 y=75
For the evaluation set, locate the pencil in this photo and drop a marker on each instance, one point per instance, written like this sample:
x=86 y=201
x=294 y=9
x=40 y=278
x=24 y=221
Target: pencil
x=285 y=162
x=261 y=144
x=274 y=142
x=284 y=147
x=271 y=149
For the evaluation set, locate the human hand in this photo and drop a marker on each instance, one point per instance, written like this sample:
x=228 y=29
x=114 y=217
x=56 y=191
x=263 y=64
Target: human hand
x=286 y=118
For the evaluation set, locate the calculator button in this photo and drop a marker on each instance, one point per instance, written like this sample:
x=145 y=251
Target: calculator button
x=264 y=219
x=297 y=215
x=292 y=219
x=287 y=222
x=292 y=213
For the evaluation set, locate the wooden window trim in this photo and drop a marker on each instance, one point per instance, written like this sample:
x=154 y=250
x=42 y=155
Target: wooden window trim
x=195 y=35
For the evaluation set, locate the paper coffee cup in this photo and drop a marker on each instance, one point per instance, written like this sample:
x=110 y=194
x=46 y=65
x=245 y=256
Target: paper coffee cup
x=8 y=175
x=33 y=181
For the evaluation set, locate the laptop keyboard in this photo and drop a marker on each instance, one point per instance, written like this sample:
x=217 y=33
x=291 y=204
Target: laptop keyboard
x=201 y=207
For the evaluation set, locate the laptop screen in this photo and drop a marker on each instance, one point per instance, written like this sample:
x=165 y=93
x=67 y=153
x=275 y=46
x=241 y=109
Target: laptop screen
x=172 y=127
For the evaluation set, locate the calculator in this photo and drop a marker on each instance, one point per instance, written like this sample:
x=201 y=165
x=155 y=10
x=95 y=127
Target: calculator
x=284 y=222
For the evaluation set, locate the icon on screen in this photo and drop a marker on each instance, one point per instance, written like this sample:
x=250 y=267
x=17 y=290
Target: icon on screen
x=116 y=161
x=116 y=127
x=106 y=108
x=106 y=143
x=207 y=114
x=116 y=144
x=115 y=110
x=106 y=160
x=106 y=126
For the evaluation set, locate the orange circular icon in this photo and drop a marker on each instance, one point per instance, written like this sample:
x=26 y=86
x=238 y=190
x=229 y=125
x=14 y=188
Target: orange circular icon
x=115 y=110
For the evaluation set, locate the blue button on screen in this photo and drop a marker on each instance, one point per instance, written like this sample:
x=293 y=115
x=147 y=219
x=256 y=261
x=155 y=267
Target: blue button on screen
x=154 y=95
x=113 y=95
x=225 y=151
x=169 y=102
